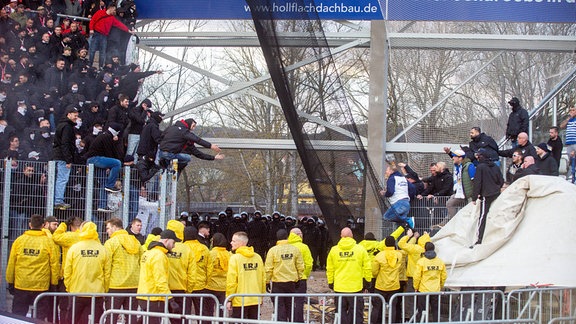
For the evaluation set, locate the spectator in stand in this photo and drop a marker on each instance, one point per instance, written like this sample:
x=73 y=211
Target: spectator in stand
x=26 y=193
x=528 y=167
x=487 y=184
x=523 y=144
x=570 y=125
x=481 y=140
x=517 y=121
x=13 y=151
x=138 y=116
x=57 y=76
x=135 y=228
x=517 y=160
x=19 y=15
x=64 y=147
x=131 y=83
x=546 y=162
x=441 y=183
x=100 y=26
x=6 y=132
x=555 y=144
x=148 y=147
x=73 y=97
x=6 y=23
x=119 y=113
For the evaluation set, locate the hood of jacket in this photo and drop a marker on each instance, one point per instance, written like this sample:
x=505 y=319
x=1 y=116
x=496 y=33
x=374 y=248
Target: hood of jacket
x=293 y=238
x=423 y=239
x=177 y=227
x=128 y=242
x=246 y=251
x=391 y=256
x=430 y=254
x=88 y=231
x=346 y=243
x=157 y=244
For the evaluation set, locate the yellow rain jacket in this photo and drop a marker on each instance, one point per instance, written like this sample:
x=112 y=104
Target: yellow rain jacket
x=201 y=254
x=218 y=268
x=413 y=250
x=124 y=257
x=430 y=274
x=371 y=247
x=386 y=268
x=154 y=272
x=347 y=265
x=284 y=263
x=149 y=239
x=245 y=276
x=87 y=268
x=306 y=254
x=34 y=261
x=181 y=261
x=65 y=240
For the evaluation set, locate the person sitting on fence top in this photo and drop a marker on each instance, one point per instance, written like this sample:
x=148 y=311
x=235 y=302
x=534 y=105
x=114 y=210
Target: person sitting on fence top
x=441 y=183
x=545 y=161
x=148 y=147
x=177 y=137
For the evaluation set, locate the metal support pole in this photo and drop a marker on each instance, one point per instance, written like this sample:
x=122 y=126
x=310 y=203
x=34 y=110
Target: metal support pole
x=162 y=198
x=126 y=194
x=51 y=183
x=89 y=192
x=5 y=224
x=173 y=193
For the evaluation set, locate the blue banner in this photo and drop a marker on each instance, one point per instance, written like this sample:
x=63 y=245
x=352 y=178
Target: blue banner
x=238 y=9
x=560 y=11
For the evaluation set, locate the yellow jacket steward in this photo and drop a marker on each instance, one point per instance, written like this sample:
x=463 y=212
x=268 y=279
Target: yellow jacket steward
x=430 y=273
x=218 y=268
x=386 y=268
x=34 y=261
x=306 y=254
x=87 y=269
x=284 y=263
x=124 y=252
x=65 y=240
x=201 y=254
x=414 y=250
x=154 y=272
x=245 y=276
x=149 y=239
x=371 y=247
x=347 y=266
x=180 y=261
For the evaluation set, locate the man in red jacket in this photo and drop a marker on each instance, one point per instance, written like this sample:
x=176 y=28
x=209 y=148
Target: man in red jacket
x=100 y=26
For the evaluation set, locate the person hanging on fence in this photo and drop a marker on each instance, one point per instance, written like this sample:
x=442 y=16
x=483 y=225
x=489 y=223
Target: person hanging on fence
x=64 y=148
x=33 y=268
x=429 y=276
x=399 y=191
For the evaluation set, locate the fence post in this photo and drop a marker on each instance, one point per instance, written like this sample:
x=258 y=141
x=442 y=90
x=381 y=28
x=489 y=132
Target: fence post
x=51 y=174
x=89 y=192
x=173 y=192
x=162 y=198
x=5 y=224
x=126 y=194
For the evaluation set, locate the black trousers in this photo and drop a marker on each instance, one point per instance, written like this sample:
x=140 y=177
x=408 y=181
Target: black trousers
x=152 y=306
x=250 y=312
x=128 y=303
x=284 y=303
x=486 y=202
x=351 y=310
x=23 y=299
x=432 y=310
x=395 y=309
x=83 y=309
x=299 y=301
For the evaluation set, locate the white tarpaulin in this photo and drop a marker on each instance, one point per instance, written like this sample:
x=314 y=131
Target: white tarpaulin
x=530 y=238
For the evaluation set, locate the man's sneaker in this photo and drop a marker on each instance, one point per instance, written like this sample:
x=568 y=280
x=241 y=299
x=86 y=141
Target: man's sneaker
x=112 y=189
x=410 y=222
x=62 y=206
x=104 y=210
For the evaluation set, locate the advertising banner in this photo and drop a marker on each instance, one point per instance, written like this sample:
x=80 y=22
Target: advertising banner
x=559 y=11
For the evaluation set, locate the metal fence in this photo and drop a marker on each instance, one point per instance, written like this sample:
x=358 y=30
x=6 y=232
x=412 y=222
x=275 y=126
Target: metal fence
x=428 y=212
x=27 y=187
x=542 y=304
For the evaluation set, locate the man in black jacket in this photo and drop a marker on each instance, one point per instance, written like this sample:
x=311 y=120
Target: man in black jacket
x=487 y=183
x=545 y=161
x=64 y=147
x=130 y=84
x=480 y=140
x=106 y=153
x=517 y=121
x=524 y=145
x=178 y=137
x=148 y=147
x=441 y=183
x=138 y=116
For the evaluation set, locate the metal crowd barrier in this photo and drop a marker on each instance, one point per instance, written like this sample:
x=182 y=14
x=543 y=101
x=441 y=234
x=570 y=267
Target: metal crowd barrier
x=428 y=212
x=448 y=306
x=317 y=308
x=147 y=316
x=72 y=300
x=563 y=320
x=542 y=304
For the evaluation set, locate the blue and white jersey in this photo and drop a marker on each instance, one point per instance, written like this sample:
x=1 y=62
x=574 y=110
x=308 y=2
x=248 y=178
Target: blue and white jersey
x=397 y=188
x=571 y=131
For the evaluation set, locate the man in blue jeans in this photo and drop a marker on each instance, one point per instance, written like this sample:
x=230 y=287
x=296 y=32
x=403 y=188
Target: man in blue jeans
x=105 y=153
x=63 y=154
x=399 y=191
